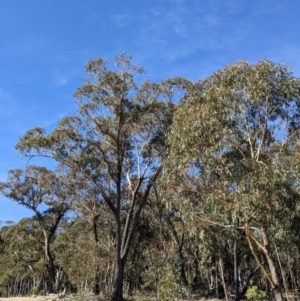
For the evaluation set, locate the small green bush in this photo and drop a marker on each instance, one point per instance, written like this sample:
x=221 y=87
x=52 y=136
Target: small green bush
x=253 y=293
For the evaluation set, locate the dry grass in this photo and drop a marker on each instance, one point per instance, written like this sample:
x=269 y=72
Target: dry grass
x=37 y=298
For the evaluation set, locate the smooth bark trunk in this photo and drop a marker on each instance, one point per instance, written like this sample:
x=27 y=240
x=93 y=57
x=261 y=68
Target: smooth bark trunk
x=273 y=279
x=236 y=284
x=272 y=267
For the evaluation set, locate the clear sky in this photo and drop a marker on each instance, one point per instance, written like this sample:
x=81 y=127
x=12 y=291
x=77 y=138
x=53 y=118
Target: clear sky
x=45 y=44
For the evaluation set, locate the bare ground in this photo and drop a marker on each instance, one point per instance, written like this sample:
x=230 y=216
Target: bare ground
x=37 y=298
x=51 y=297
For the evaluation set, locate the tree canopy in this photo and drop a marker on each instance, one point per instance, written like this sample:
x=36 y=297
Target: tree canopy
x=174 y=178
x=230 y=140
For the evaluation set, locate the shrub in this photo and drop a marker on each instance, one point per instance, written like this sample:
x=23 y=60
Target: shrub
x=253 y=293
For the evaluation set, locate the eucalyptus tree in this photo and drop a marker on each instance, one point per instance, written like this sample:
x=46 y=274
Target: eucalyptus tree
x=20 y=258
x=85 y=264
x=116 y=143
x=234 y=141
x=170 y=219
x=45 y=193
x=22 y=265
x=88 y=205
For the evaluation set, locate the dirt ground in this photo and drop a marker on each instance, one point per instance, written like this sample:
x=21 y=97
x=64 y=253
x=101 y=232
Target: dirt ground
x=50 y=297
x=38 y=298
x=33 y=298
x=53 y=297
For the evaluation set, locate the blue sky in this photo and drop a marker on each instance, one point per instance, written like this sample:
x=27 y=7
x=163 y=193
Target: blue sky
x=44 y=46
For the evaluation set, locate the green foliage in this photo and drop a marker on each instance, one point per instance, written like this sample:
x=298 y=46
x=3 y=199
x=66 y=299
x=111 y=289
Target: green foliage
x=22 y=257
x=253 y=293
x=231 y=147
x=80 y=256
x=226 y=153
x=163 y=277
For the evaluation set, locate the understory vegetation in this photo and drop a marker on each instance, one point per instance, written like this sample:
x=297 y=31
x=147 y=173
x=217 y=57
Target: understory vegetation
x=173 y=189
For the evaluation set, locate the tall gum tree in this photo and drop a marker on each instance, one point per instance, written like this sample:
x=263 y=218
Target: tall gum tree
x=233 y=148
x=116 y=143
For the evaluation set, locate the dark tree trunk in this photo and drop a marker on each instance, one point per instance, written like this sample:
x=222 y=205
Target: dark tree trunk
x=96 y=286
x=180 y=242
x=182 y=269
x=117 y=294
x=48 y=234
x=123 y=243
x=235 y=273
x=196 y=275
x=247 y=282
x=50 y=264
x=181 y=258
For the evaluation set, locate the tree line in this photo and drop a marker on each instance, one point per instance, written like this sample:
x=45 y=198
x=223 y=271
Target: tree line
x=170 y=188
